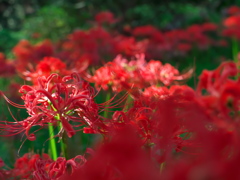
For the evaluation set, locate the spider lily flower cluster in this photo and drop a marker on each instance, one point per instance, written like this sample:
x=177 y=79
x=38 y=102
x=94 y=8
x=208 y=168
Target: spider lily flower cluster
x=83 y=48
x=165 y=128
x=58 y=101
x=159 y=128
x=123 y=75
x=34 y=166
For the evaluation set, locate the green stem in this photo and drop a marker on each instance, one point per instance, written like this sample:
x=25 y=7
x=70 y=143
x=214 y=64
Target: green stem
x=62 y=140
x=52 y=142
x=128 y=103
x=107 y=99
x=235 y=50
x=235 y=53
x=63 y=143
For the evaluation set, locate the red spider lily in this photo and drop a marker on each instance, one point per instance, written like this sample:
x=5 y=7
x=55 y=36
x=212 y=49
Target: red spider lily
x=177 y=42
x=105 y=17
x=28 y=55
x=231 y=32
x=213 y=147
x=6 y=68
x=222 y=43
x=144 y=31
x=120 y=159
x=168 y=131
x=230 y=99
x=59 y=101
x=232 y=26
x=128 y=46
x=4 y=174
x=184 y=47
x=212 y=81
x=13 y=90
x=198 y=37
x=95 y=45
x=34 y=166
x=212 y=150
x=121 y=74
x=155 y=72
x=216 y=145
x=221 y=103
x=40 y=171
x=176 y=35
x=207 y=27
x=233 y=10
x=139 y=117
x=153 y=94
x=150 y=116
x=222 y=94
x=46 y=169
x=232 y=21
x=24 y=166
x=46 y=67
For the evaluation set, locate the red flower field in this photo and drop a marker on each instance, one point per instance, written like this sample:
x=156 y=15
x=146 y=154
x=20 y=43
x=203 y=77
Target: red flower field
x=104 y=104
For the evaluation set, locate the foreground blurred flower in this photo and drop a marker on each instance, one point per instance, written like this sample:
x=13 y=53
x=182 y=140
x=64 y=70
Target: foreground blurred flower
x=67 y=102
x=120 y=159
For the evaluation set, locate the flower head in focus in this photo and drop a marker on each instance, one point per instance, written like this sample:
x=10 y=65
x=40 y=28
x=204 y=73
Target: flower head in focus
x=67 y=102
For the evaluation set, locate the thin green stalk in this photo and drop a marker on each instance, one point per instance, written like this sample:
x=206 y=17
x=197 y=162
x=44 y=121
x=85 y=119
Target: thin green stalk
x=235 y=50
x=106 y=112
x=128 y=103
x=235 y=53
x=52 y=142
x=63 y=143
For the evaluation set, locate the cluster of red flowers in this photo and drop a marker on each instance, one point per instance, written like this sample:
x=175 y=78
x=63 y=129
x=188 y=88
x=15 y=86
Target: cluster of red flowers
x=101 y=43
x=157 y=129
x=58 y=101
x=232 y=23
x=178 y=42
x=92 y=46
x=46 y=67
x=28 y=55
x=123 y=75
x=7 y=68
x=168 y=133
x=33 y=166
